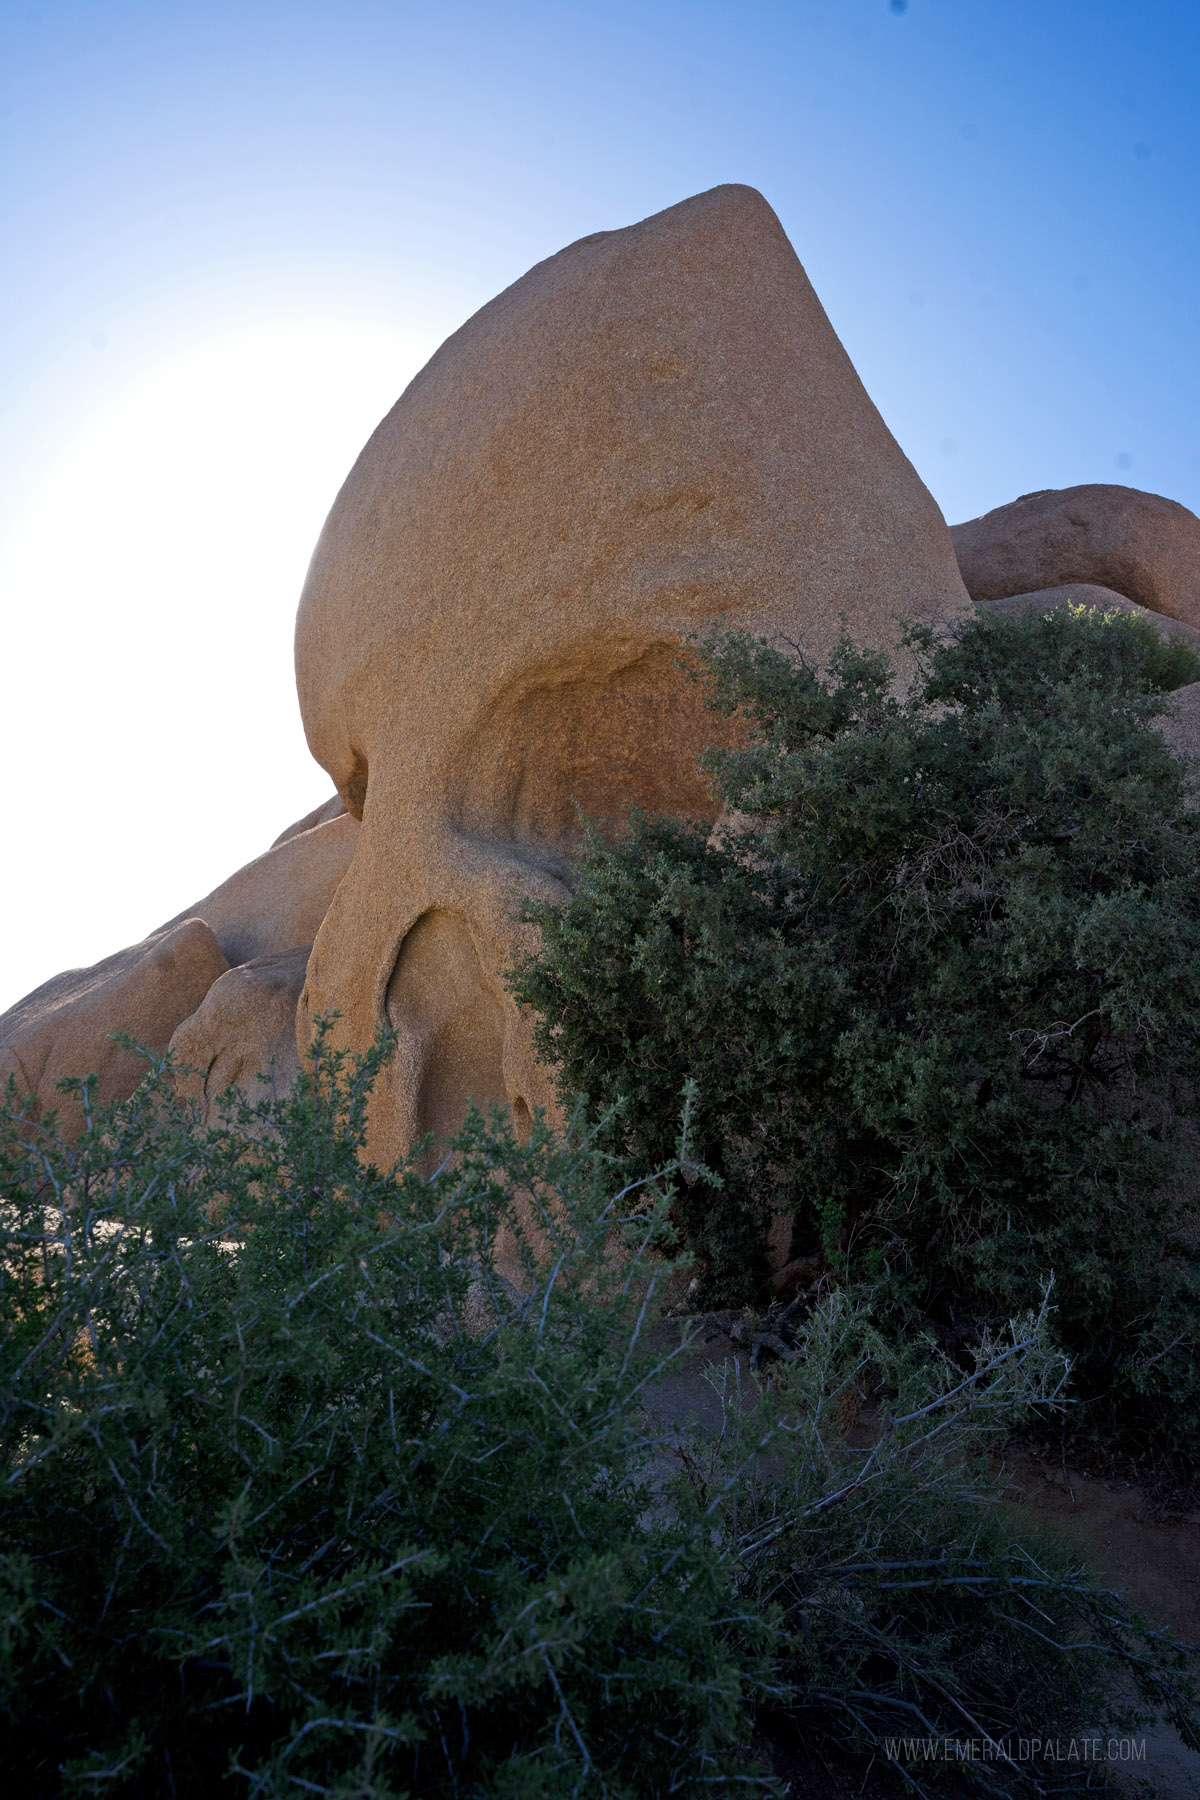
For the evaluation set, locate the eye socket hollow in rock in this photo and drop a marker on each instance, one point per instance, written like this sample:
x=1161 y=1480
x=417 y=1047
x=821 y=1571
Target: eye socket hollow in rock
x=586 y=738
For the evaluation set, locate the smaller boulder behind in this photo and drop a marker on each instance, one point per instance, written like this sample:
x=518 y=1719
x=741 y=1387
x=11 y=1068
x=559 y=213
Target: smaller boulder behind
x=1141 y=545
x=65 y=1026
x=243 y=1033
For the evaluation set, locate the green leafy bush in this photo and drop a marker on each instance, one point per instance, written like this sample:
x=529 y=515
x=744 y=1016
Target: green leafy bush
x=277 y=1514
x=910 y=1603
x=937 y=981
x=300 y=1496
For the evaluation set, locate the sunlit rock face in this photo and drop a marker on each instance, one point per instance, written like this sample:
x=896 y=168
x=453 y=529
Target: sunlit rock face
x=651 y=433
x=1140 y=545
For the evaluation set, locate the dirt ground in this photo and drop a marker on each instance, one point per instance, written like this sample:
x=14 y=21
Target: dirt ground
x=1150 y=1554
x=1154 y=1557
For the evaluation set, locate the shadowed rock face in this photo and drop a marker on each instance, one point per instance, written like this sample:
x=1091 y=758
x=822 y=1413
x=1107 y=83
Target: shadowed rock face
x=652 y=432
x=264 y=911
x=1141 y=545
x=64 y=1027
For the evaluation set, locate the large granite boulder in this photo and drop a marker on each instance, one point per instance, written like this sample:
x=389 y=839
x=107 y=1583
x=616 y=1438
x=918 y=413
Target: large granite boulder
x=651 y=433
x=1140 y=545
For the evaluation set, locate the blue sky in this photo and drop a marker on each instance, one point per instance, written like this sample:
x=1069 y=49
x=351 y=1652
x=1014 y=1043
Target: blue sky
x=234 y=232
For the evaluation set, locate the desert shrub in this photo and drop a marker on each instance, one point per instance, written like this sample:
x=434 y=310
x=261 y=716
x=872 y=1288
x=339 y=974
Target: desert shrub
x=910 y=1604
x=936 y=981
x=300 y=1496
x=275 y=1521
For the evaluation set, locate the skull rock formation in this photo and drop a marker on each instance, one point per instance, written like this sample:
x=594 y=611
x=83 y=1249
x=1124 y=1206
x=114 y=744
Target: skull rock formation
x=269 y=907
x=653 y=431
x=1141 y=545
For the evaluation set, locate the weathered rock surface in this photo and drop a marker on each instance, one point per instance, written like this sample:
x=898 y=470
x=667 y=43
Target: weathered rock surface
x=333 y=808
x=244 y=1029
x=278 y=900
x=1099 y=599
x=651 y=432
x=271 y=907
x=1141 y=545
x=63 y=1028
x=1180 y=725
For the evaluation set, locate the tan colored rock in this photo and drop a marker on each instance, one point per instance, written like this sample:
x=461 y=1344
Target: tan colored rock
x=333 y=808
x=243 y=1033
x=1141 y=545
x=1099 y=599
x=272 y=906
x=63 y=1028
x=652 y=432
x=1180 y=725
x=278 y=900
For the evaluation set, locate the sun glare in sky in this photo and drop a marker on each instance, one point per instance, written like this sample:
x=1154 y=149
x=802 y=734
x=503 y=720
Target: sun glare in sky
x=234 y=231
x=159 y=567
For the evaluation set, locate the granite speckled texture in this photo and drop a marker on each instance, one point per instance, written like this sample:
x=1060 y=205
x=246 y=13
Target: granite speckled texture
x=651 y=433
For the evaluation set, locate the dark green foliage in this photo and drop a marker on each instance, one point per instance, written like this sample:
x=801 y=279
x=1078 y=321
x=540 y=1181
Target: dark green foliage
x=668 y=966
x=300 y=1497
x=909 y=1605
x=938 y=984
x=268 y=1508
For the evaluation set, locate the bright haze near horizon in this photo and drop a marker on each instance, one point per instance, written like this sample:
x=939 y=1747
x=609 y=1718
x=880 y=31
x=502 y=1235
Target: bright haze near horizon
x=235 y=232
